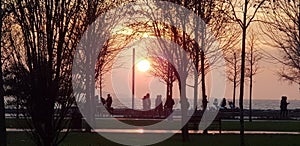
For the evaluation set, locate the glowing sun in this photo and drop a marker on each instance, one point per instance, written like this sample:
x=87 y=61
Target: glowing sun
x=143 y=65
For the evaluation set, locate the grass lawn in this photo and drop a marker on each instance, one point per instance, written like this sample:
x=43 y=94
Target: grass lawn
x=93 y=139
x=275 y=125
x=272 y=125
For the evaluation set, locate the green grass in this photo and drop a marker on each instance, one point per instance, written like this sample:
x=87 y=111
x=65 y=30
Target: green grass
x=272 y=125
x=279 y=125
x=93 y=139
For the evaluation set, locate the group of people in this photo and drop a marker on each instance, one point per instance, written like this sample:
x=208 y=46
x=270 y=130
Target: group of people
x=223 y=104
x=159 y=107
x=283 y=105
x=168 y=106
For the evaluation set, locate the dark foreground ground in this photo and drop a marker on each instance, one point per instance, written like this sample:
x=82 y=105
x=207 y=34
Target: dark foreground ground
x=20 y=138
x=93 y=139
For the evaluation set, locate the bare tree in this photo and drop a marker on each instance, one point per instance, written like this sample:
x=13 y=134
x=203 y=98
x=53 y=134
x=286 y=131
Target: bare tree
x=44 y=29
x=108 y=53
x=281 y=24
x=205 y=56
x=163 y=69
x=200 y=51
x=248 y=12
x=48 y=34
x=233 y=59
x=179 y=60
x=253 y=57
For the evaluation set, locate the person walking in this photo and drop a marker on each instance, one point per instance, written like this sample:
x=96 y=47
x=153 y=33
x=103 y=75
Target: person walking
x=283 y=106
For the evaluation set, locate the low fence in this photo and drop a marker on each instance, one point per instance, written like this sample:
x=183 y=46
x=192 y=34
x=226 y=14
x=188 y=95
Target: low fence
x=129 y=113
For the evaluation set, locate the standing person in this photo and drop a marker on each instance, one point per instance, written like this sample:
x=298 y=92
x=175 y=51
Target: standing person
x=230 y=104
x=144 y=103
x=216 y=103
x=283 y=106
x=158 y=105
x=223 y=104
x=169 y=105
x=108 y=102
x=148 y=102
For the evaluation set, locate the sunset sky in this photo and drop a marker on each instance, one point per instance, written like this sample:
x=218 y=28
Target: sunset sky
x=267 y=84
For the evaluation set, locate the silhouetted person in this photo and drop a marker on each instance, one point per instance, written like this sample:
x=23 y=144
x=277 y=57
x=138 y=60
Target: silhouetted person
x=109 y=102
x=231 y=104
x=146 y=102
x=216 y=103
x=103 y=101
x=283 y=106
x=169 y=105
x=158 y=105
x=223 y=103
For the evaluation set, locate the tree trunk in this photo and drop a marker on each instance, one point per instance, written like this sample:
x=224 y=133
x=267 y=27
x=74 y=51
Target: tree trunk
x=244 y=28
x=202 y=61
x=169 y=80
x=234 y=79
x=250 y=100
x=2 y=105
x=197 y=57
x=101 y=77
x=234 y=91
x=250 y=86
x=196 y=88
x=204 y=96
x=184 y=109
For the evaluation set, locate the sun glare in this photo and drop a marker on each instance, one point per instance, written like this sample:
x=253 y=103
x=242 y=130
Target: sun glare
x=143 y=65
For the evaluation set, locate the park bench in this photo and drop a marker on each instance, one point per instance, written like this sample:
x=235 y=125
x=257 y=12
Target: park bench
x=194 y=121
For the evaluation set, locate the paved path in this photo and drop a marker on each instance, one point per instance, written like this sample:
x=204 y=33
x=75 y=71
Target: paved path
x=144 y=131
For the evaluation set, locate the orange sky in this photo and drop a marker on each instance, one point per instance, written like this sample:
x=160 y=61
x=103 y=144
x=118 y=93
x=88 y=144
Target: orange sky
x=266 y=84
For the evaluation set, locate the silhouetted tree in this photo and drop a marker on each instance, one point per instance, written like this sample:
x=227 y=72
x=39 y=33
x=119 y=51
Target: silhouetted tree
x=233 y=59
x=174 y=55
x=199 y=50
x=48 y=32
x=253 y=56
x=160 y=67
x=163 y=69
x=47 y=29
x=247 y=9
x=281 y=25
x=214 y=29
x=105 y=59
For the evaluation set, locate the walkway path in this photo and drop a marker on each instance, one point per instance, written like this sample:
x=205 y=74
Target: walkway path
x=144 y=131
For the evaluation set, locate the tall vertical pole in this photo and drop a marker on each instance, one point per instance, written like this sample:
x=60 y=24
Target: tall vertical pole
x=133 y=75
